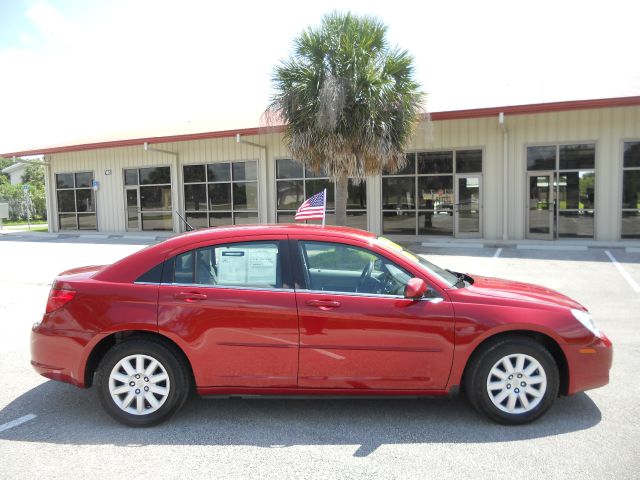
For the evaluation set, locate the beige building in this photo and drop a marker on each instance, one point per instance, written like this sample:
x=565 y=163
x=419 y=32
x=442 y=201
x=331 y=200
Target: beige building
x=567 y=170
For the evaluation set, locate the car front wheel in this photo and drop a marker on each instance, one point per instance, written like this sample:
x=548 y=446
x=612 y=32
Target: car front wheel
x=141 y=382
x=513 y=380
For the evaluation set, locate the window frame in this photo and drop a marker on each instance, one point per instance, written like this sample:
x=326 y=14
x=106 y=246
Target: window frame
x=454 y=174
x=137 y=187
x=304 y=179
x=557 y=172
x=232 y=211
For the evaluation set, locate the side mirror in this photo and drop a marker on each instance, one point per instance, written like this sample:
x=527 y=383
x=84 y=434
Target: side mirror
x=415 y=288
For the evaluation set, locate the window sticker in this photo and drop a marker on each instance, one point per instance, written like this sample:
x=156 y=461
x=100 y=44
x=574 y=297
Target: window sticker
x=232 y=267
x=262 y=267
x=248 y=266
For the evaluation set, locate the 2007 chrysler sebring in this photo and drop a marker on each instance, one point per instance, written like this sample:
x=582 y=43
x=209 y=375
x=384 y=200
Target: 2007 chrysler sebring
x=307 y=310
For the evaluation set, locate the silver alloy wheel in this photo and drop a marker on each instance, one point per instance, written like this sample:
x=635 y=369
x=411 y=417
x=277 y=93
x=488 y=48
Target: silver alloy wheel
x=139 y=384
x=516 y=383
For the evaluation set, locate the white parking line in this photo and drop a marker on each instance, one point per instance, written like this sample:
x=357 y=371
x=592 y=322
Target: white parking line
x=16 y=422
x=498 y=252
x=634 y=285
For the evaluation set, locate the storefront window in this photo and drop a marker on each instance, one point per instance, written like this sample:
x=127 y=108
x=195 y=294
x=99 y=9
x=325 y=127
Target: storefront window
x=569 y=173
x=76 y=201
x=294 y=184
x=148 y=196
x=420 y=198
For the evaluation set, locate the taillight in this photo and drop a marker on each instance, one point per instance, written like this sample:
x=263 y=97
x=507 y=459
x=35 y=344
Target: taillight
x=58 y=298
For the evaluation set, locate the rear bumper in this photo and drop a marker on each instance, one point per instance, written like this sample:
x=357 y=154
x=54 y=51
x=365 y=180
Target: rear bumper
x=59 y=354
x=589 y=365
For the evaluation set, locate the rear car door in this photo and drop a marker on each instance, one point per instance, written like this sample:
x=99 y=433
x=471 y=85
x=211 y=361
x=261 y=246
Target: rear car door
x=357 y=331
x=231 y=306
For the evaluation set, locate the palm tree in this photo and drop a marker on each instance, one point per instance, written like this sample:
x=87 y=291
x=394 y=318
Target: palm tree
x=348 y=99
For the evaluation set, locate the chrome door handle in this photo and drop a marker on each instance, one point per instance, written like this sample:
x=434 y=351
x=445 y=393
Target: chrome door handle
x=323 y=304
x=190 y=296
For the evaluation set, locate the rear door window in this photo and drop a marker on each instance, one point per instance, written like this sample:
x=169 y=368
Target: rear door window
x=246 y=264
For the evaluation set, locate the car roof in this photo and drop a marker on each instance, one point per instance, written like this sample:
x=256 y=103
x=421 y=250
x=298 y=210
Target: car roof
x=136 y=264
x=261 y=229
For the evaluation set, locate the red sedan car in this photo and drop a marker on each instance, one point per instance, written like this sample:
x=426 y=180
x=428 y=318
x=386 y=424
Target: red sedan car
x=299 y=310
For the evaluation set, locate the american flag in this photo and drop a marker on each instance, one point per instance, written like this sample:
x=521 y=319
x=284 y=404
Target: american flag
x=312 y=207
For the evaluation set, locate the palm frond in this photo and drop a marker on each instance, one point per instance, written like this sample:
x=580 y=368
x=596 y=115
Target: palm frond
x=349 y=100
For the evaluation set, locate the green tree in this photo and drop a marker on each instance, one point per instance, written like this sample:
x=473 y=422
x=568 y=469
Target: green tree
x=14 y=194
x=34 y=175
x=348 y=99
x=4 y=163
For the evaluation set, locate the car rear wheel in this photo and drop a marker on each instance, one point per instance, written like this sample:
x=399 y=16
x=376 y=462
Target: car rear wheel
x=142 y=382
x=513 y=380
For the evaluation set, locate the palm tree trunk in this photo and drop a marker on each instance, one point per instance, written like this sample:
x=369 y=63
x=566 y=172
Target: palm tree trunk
x=342 y=193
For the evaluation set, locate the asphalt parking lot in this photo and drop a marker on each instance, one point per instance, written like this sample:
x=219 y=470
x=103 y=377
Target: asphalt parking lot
x=53 y=430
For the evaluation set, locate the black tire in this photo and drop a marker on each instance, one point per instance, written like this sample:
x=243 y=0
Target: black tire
x=483 y=361
x=178 y=383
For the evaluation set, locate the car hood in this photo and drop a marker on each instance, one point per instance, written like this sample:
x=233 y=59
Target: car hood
x=510 y=290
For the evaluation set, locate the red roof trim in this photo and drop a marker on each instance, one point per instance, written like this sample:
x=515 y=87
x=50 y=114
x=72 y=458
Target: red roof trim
x=538 y=108
x=436 y=116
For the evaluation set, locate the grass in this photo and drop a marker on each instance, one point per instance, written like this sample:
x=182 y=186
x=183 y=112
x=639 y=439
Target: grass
x=13 y=223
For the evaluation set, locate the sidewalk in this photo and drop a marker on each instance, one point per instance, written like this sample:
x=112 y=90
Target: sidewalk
x=145 y=236
x=419 y=245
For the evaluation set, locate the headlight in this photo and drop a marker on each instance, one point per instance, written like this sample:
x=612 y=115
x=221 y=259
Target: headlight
x=585 y=319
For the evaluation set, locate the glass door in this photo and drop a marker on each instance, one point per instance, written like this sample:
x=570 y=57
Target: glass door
x=133 y=209
x=468 y=207
x=541 y=205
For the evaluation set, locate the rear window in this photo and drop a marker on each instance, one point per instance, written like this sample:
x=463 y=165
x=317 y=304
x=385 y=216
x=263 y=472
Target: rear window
x=151 y=276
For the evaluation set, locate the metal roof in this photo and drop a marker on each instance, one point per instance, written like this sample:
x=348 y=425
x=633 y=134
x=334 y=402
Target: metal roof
x=435 y=116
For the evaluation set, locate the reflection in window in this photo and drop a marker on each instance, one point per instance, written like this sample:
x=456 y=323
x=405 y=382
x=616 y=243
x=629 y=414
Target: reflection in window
x=217 y=194
x=76 y=201
x=294 y=184
x=631 y=191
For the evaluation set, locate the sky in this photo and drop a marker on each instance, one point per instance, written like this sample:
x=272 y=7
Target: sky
x=75 y=71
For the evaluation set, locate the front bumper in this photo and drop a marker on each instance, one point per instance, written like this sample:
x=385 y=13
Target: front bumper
x=589 y=365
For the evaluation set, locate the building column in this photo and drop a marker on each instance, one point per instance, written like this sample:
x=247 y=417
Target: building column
x=374 y=204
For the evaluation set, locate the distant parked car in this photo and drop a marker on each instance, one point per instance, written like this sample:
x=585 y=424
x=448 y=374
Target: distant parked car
x=309 y=310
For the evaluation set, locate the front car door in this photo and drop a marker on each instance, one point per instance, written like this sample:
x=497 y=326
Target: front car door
x=357 y=331
x=231 y=307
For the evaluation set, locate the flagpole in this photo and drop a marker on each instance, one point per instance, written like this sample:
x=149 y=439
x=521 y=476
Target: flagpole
x=324 y=210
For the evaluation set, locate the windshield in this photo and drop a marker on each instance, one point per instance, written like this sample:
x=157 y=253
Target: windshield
x=447 y=277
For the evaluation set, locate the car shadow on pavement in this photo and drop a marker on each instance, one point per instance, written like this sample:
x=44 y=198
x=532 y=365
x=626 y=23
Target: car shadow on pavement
x=67 y=415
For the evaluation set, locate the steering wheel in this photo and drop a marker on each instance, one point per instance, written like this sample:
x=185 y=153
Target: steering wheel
x=366 y=272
